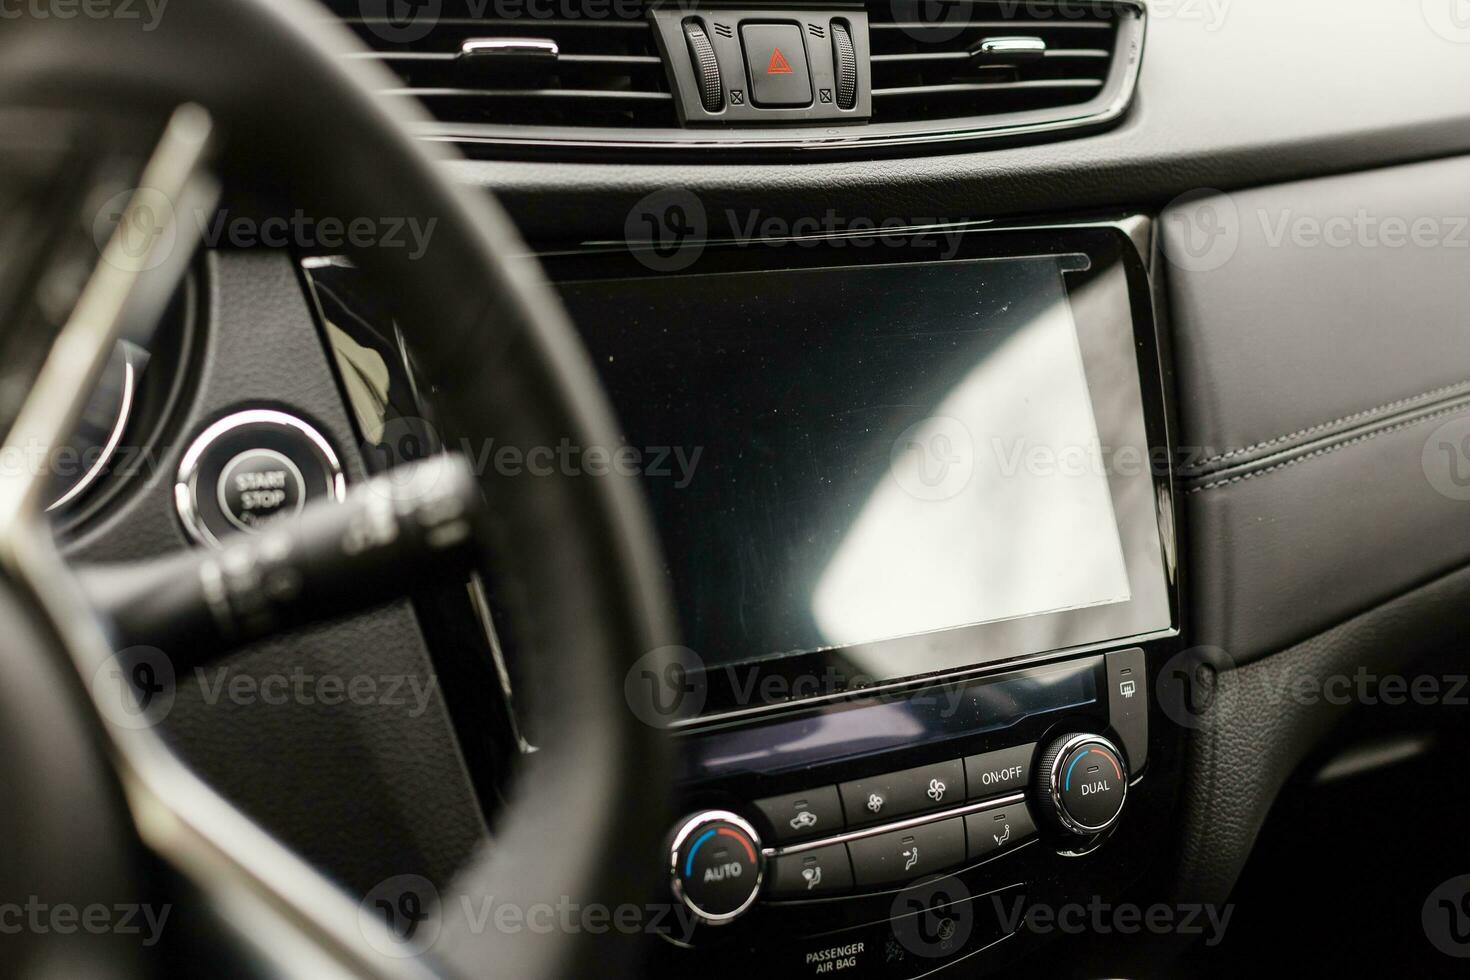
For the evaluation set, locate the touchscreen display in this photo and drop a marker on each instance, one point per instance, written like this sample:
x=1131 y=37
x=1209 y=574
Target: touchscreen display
x=854 y=455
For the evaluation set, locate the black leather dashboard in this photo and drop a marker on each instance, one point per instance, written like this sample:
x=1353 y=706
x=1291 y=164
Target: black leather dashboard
x=1319 y=371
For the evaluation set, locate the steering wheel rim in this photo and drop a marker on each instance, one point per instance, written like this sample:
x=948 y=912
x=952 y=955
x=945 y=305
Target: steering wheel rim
x=588 y=588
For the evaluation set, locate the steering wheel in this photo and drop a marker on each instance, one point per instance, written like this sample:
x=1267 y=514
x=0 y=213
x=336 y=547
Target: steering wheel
x=241 y=89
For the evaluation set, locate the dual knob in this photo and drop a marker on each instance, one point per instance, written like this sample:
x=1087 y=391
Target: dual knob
x=1081 y=784
x=716 y=865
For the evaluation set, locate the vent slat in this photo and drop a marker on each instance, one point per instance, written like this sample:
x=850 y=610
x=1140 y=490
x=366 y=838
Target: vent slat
x=527 y=25
x=614 y=60
x=918 y=26
x=966 y=56
x=1060 y=83
x=529 y=93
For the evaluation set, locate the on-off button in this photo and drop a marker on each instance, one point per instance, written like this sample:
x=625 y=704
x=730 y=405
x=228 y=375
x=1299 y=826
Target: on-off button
x=995 y=773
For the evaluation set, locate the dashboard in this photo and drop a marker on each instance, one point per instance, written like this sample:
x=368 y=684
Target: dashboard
x=1040 y=409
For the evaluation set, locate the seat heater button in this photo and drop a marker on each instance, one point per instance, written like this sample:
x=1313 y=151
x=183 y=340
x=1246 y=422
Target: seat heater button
x=993 y=831
x=905 y=855
x=259 y=485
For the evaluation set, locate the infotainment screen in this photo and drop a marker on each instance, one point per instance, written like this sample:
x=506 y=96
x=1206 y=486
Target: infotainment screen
x=870 y=459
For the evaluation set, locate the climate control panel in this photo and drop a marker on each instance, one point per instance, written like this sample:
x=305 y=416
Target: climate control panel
x=874 y=829
x=895 y=828
x=954 y=810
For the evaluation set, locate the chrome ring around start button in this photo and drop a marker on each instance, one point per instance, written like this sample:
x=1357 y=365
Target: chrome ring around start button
x=290 y=436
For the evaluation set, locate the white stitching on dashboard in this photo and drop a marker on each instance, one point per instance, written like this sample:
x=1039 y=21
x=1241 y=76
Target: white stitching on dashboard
x=1432 y=393
x=1325 y=450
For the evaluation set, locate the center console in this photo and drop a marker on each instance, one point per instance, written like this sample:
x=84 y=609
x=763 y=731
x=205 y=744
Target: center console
x=914 y=497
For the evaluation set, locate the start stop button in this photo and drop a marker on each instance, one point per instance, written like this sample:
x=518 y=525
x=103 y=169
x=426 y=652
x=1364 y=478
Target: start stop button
x=250 y=469
x=259 y=485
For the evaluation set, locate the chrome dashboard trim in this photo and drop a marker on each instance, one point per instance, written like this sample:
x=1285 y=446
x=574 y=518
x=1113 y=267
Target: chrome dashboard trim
x=919 y=820
x=124 y=416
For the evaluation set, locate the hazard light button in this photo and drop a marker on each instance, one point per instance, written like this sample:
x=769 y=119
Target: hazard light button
x=775 y=61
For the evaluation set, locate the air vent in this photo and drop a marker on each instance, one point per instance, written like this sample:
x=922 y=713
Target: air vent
x=593 y=77
x=936 y=61
x=470 y=65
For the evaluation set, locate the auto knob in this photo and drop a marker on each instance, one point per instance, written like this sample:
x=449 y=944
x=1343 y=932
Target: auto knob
x=1081 y=784
x=716 y=865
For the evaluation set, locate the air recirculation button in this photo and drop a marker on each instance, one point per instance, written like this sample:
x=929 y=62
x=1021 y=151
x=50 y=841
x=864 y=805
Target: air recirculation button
x=706 y=66
x=844 y=63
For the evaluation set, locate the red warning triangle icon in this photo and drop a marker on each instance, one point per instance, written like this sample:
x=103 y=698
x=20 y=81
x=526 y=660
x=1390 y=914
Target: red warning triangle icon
x=779 y=65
